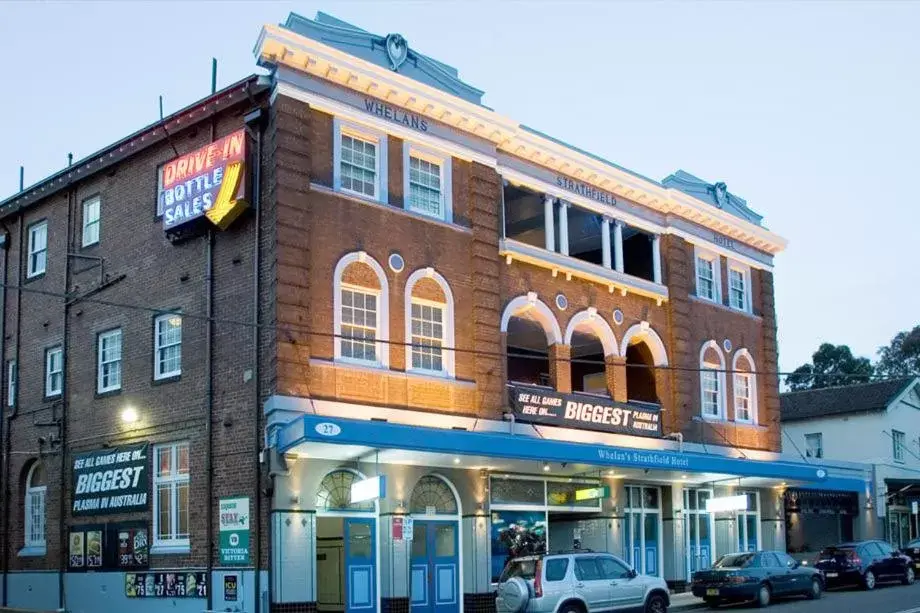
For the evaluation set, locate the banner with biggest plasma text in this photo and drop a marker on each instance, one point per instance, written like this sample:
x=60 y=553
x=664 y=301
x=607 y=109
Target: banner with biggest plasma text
x=112 y=480
x=538 y=405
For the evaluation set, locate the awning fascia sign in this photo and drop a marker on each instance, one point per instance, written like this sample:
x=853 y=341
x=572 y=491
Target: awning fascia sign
x=317 y=428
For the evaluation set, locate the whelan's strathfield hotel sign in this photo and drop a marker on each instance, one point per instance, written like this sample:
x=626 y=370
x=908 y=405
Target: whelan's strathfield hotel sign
x=208 y=183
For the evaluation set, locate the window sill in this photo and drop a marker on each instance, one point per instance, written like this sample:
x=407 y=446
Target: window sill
x=106 y=393
x=439 y=375
x=723 y=307
x=33 y=551
x=167 y=379
x=170 y=550
x=360 y=363
x=389 y=207
x=34 y=277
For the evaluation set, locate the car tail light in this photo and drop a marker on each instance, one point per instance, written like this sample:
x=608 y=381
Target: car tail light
x=538 y=579
x=737 y=579
x=852 y=558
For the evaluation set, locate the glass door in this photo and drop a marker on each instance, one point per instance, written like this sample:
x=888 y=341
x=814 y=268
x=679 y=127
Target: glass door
x=642 y=516
x=698 y=530
x=747 y=524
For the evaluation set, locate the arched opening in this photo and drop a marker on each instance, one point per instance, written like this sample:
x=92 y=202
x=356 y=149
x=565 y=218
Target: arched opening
x=432 y=495
x=712 y=381
x=429 y=323
x=334 y=493
x=35 y=488
x=435 y=552
x=530 y=329
x=591 y=340
x=361 y=318
x=640 y=374
x=744 y=385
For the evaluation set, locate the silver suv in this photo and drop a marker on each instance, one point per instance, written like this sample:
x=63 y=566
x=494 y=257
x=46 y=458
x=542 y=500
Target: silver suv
x=578 y=582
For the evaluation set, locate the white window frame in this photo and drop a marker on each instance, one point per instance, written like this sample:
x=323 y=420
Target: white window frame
x=174 y=543
x=340 y=339
x=745 y=271
x=94 y=223
x=32 y=268
x=898 y=443
x=814 y=436
x=12 y=382
x=101 y=364
x=447 y=355
x=157 y=375
x=444 y=162
x=705 y=368
x=35 y=495
x=50 y=353
x=383 y=309
x=340 y=127
x=715 y=261
x=744 y=354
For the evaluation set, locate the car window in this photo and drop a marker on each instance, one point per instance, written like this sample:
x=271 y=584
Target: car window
x=556 y=569
x=735 y=560
x=612 y=568
x=886 y=548
x=784 y=559
x=586 y=569
x=769 y=560
x=913 y=543
x=872 y=550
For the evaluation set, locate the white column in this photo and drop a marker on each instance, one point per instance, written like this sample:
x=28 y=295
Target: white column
x=550 y=224
x=605 y=242
x=656 y=257
x=618 y=243
x=563 y=227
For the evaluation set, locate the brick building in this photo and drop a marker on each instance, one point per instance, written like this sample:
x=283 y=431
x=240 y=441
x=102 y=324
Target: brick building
x=432 y=335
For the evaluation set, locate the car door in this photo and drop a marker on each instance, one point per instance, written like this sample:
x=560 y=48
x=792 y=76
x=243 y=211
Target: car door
x=872 y=559
x=773 y=573
x=894 y=566
x=797 y=579
x=626 y=591
x=591 y=585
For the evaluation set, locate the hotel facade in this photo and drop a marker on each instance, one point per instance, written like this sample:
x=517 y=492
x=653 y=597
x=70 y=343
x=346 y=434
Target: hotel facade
x=414 y=338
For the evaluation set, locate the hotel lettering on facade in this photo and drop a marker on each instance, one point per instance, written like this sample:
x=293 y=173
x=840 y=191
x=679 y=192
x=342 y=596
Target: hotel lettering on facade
x=384 y=337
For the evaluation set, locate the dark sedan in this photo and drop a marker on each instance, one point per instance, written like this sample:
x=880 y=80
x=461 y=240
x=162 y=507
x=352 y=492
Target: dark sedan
x=865 y=563
x=912 y=551
x=760 y=576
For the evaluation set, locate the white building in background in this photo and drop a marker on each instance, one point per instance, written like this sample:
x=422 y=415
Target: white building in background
x=877 y=424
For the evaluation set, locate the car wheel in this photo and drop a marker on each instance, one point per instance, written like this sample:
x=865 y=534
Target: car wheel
x=909 y=577
x=572 y=608
x=656 y=603
x=869 y=580
x=763 y=596
x=816 y=589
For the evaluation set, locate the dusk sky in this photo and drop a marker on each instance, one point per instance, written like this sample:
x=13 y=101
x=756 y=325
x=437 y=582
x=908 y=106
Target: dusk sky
x=808 y=110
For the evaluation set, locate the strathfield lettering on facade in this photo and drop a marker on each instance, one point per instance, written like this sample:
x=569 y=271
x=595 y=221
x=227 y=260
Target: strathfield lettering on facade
x=537 y=405
x=396 y=115
x=208 y=182
x=583 y=189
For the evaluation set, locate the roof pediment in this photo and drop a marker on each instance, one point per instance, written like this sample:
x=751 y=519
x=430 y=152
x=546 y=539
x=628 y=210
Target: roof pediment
x=373 y=48
x=716 y=194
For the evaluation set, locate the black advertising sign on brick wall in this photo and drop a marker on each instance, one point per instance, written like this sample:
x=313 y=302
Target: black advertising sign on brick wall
x=112 y=480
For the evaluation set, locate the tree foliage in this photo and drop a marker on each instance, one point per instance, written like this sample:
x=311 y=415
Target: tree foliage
x=831 y=366
x=901 y=358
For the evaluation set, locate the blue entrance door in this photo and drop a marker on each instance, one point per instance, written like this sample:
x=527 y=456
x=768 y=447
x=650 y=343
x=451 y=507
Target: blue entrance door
x=360 y=565
x=435 y=561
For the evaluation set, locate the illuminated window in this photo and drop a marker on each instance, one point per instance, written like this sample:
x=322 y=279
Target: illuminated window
x=171 y=495
x=91 y=220
x=167 y=354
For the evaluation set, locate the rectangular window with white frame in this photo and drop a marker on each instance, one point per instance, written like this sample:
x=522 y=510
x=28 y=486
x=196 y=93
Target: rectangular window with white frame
x=427 y=336
x=108 y=356
x=814 y=445
x=744 y=397
x=54 y=371
x=427 y=182
x=898 y=442
x=360 y=323
x=708 y=275
x=12 y=382
x=711 y=383
x=167 y=350
x=360 y=161
x=91 y=220
x=171 y=496
x=739 y=287
x=38 y=249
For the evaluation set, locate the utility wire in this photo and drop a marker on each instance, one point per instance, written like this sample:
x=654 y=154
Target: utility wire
x=305 y=330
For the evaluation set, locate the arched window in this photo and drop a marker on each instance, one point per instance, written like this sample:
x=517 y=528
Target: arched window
x=712 y=381
x=361 y=303
x=530 y=330
x=643 y=351
x=591 y=341
x=432 y=495
x=35 y=488
x=744 y=386
x=429 y=323
x=335 y=493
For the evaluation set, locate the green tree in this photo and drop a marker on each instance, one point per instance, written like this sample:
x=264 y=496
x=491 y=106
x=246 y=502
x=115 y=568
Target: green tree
x=901 y=358
x=831 y=366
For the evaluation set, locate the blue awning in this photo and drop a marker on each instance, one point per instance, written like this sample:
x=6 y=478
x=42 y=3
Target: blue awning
x=380 y=434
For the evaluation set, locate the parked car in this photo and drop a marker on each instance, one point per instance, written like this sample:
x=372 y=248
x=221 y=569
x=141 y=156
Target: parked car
x=864 y=563
x=760 y=576
x=912 y=551
x=577 y=582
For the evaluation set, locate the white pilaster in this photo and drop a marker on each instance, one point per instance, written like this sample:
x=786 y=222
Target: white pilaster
x=656 y=258
x=563 y=227
x=605 y=242
x=618 y=243
x=550 y=224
